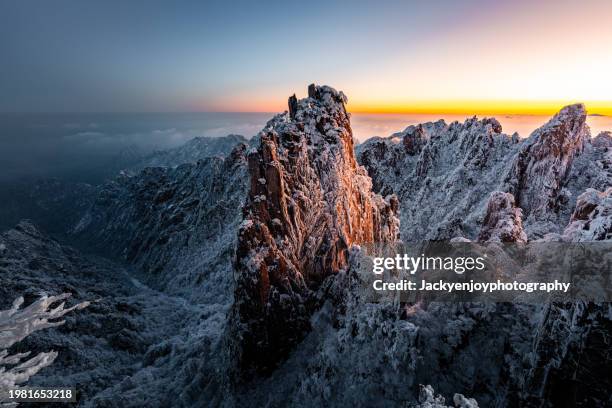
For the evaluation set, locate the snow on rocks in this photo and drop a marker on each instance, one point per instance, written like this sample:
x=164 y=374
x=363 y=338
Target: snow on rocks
x=318 y=204
x=544 y=162
x=592 y=218
x=443 y=174
x=503 y=220
x=428 y=399
x=175 y=225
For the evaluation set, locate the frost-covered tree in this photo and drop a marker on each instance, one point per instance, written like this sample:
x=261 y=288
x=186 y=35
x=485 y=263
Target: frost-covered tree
x=15 y=325
x=428 y=399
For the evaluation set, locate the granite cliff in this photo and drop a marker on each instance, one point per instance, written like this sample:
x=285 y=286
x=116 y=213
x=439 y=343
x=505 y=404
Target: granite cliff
x=308 y=203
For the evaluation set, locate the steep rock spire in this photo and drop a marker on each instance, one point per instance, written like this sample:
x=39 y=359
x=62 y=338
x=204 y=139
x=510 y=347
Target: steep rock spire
x=309 y=202
x=544 y=161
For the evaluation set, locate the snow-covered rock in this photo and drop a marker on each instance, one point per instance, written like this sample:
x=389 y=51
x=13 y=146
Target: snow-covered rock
x=443 y=174
x=603 y=140
x=443 y=194
x=193 y=150
x=592 y=218
x=503 y=220
x=252 y=259
x=316 y=202
x=428 y=399
x=544 y=162
x=177 y=226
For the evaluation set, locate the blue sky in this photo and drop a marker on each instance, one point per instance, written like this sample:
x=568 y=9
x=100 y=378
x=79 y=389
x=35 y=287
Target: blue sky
x=103 y=56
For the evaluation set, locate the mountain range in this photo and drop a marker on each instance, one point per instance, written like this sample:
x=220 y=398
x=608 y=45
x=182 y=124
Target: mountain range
x=221 y=273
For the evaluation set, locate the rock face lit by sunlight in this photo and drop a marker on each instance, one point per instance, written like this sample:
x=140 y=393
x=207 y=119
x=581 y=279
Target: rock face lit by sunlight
x=230 y=279
x=230 y=236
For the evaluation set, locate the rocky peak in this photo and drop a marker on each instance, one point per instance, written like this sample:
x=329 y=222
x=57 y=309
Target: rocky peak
x=603 y=140
x=542 y=165
x=456 y=166
x=309 y=202
x=503 y=220
x=592 y=218
x=414 y=139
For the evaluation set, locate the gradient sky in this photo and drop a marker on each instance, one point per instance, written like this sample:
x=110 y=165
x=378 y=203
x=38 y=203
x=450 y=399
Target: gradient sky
x=445 y=56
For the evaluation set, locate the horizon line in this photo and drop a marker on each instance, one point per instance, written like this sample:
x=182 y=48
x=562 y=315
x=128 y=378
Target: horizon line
x=469 y=108
x=482 y=107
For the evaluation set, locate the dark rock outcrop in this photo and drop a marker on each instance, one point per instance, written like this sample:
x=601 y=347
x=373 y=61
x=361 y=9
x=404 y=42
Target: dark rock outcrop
x=309 y=202
x=175 y=225
x=544 y=161
x=503 y=220
x=570 y=360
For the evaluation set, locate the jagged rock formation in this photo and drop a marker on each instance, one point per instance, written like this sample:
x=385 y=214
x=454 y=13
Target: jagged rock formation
x=292 y=216
x=603 y=140
x=195 y=149
x=176 y=225
x=179 y=226
x=545 y=159
x=548 y=173
x=592 y=218
x=458 y=166
x=544 y=162
x=503 y=220
x=441 y=174
x=309 y=202
x=57 y=205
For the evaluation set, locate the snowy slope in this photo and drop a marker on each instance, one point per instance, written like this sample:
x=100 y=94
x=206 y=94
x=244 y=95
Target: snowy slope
x=236 y=282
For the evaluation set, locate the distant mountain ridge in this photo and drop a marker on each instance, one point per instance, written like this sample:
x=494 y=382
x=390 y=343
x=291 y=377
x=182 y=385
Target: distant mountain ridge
x=190 y=152
x=56 y=205
x=455 y=167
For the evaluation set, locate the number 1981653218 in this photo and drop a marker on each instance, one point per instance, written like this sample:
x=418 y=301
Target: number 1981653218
x=33 y=394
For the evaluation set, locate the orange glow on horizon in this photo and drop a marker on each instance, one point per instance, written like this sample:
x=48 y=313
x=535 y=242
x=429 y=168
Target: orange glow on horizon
x=516 y=58
x=478 y=107
x=467 y=107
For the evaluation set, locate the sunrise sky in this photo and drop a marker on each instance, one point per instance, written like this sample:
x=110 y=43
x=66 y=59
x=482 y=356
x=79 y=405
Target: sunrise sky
x=481 y=57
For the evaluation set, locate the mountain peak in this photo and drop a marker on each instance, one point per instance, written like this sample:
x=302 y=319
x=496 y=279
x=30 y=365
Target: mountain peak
x=309 y=202
x=542 y=165
x=566 y=125
x=576 y=109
